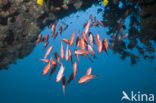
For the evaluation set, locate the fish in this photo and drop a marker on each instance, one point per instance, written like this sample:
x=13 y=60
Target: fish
x=121 y=23
x=60 y=29
x=86 y=78
x=82 y=44
x=77 y=57
x=70 y=56
x=55 y=35
x=65 y=41
x=105 y=2
x=99 y=43
x=40 y=2
x=46 y=44
x=91 y=39
x=58 y=8
x=65 y=6
x=67 y=53
x=124 y=35
x=70 y=78
x=91 y=17
x=45 y=60
x=77 y=40
x=84 y=24
x=74 y=69
x=72 y=38
x=53 y=70
x=94 y=24
x=90 y=49
x=46 y=38
x=48 y=52
x=84 y=36
x=114 y=35
x=87 y=27
x=63 y=84
x=95 y=19
x=60 y=73
x=105 y=44
x=39 y=39
x=57 y=57
x=121 y=30
x=99 y=22
x=89 y=71
x=62 y=51
x=47 y=68
x=53 y=62
x=65 y=27
x=53 y=27
x=81 y=52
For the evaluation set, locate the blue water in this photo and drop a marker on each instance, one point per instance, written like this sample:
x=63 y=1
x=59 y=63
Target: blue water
x=24 y=82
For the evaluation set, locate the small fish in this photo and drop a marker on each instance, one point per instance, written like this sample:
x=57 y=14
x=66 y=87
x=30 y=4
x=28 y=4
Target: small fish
x=46 y=69
x=40 y=2
x=74 y=69
x=67 y=53
x=46 y=44
x=65 y=27
x=94 y=24
x=57 y=57
x=87 y=27
x=55 y=35
x=84 y=36
x=77 y=40
x=121 y=23
x=99 y=22
x=105 y=2
x=60 y=29
x=39 y=39
x=60 y=73
x=70 y=78
x=48 y=51
x=53 y=62
x=82 y=44
x=81 y=52
x=46 y=38
x=121 y=30
x=63 y=84
x=91 y=17
x=53 y=27
x=62 y=51
x=114 y=35
x=95 y=19
x=105 y=44
x=72 y=38
x=65 y=41
x=84 y=24
x=45 y=60
x=86 y=78
x=89 y=71
x=124 y=35
x=53 y=70
x=99 y=43
x=65 y=6
x=90 y=49
x=70 y=56
x=58 y=8
x=91 y=39
x=77 y=57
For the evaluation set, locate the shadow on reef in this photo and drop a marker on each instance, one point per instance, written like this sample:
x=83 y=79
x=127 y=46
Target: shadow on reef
x=142 y=28
x=22 y=20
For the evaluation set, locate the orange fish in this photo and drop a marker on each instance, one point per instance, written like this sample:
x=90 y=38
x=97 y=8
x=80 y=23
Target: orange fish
x=58 y=8
x=91 y=39
x=77 y=40
x=67 y=53
x=62 y=51
x=47 y=68
x=46 y=38
x=105 y=44
x=90 y=49
x=57 y=57
x=46 y=44
x=60 y=73
x=77 y=57
x=39 y=39
x=81 y=52
x=63 y=84
x=74 y=69
x=99 y=43
x=72 y=38
x=99 y=22
x=82 y=44
x=60 y=28
x=48 y=51
x=86 y=78
x=87 y=27
x=84 y=36
x=114 y=35
x=124 y=35
x=53 y=27
x=89 y=71
x=45 y=60
x=53 y=70
x=65 y=41
x=121 y=23
x=53 y=62
x=70 y=78
x=94 y=24
x=70 y=56
x=55 y=35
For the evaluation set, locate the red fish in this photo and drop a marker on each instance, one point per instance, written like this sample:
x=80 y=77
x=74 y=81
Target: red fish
x=57 y=57
x=63 y=84
x=60 y=73
x=62 y=51
x=114 y=35
x=99 y=22
x=87 y=27
x=121 y=23
x=53 y=27
x=77 y=57
x=99 y=43
x=72 y=38
x=46 y=44
x=53 y=70
x=45 y=60
x=70 y=56
x=91 y=39
x=46 y=38
x=82 y=44
x=53 y=62
x=55 y=35
x=124 y=35
x=74 y=69
x=65 y=41
x=105 y=44
x=67 y=53
x=90 y=49
x=60 y=29
x=65 y=27
x=47 y=68
x=70 y=78
x=81 y=52
x=48 y=51
x=95 y=19
x=89 y=71
x=77 y=40
x=91 y=17
x=86 y=78
x=84 y=36
x=39 y=39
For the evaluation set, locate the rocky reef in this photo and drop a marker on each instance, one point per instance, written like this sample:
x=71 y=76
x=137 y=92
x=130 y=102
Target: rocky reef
x=22 y=20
